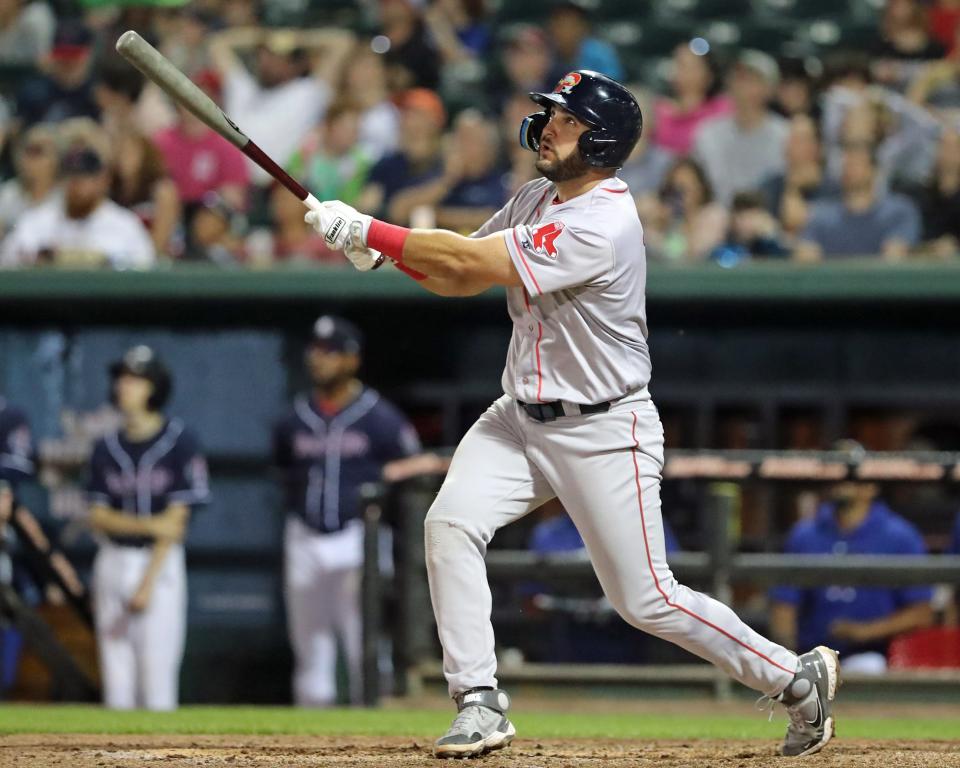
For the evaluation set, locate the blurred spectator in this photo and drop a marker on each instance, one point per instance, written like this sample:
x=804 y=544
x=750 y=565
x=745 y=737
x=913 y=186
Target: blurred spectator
x=904 y=42
x=939 y=200
x=684 y=224
x=200 y=161
x=418 y=159
x=858 y=622
x=412 y=57
x=863 y=222
x=648 y=164
x=363 y=80
x=905 y=135
x=118 y=89
x=521 y=160
x=36 y=157
x=186 y=44
x=210 y=234
x=64 y=88
x=740 y=150
x=332 y=163
x=141 y=183
x=944 y=21
x=796 y=94
x=83 y=227
x=286 y=98
x=471 y=188
x=293 y=238
x=696 y=84
x=569 y=31
x=458 y=29
x=804 y=179
x=753 y=232
x=528 y=65
x=26 y=31
x=937 y=84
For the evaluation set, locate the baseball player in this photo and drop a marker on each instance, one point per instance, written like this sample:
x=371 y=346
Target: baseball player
x=336 y=437
x=16 y=445
x=144 y=480
x=576 y=420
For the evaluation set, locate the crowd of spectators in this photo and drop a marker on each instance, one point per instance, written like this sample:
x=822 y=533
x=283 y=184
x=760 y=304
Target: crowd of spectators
x=412 y=115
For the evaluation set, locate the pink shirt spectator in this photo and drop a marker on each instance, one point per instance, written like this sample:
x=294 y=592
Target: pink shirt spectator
x=674 y=129
x=201 y=164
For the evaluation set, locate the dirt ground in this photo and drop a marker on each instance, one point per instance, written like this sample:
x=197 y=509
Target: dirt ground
x=248 y=752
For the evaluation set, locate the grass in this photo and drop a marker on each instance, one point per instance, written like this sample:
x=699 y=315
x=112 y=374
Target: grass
x=427 y=724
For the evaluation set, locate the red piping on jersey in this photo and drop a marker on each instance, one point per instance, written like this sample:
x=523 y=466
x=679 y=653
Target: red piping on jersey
x=524 y=260
x=653 y=573
x=615 y=191
x=526 y=300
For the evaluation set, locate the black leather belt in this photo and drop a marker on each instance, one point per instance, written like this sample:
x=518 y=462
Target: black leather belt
x=555 y=409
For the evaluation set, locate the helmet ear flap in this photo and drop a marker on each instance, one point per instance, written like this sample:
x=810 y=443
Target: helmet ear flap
x=530 y=130
x=597 y=148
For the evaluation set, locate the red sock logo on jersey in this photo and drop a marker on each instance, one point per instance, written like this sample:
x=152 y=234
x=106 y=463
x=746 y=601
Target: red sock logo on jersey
x=545 y=238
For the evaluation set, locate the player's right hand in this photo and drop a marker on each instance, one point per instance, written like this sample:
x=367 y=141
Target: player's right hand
x=363 y=258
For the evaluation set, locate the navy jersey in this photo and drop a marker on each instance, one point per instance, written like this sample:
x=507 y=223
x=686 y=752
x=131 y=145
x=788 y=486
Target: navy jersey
x=144 y=478
x=325 y=459
x=883 y=532
x=16 y=445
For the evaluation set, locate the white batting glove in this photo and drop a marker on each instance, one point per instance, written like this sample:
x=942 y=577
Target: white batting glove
x=360 y=256
x=333 y=221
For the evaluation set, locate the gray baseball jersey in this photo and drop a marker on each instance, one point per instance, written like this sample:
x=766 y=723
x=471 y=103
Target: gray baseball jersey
x=579 y=321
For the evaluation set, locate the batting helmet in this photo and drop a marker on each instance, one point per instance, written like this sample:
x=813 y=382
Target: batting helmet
x=143 y=362
x=607 y=107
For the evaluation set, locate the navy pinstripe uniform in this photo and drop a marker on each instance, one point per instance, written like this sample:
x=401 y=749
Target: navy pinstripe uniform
x=324 y=458
x=140 y=653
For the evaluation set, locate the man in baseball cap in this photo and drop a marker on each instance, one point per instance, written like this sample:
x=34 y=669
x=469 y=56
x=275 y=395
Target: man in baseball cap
x=741 y=150
x=337 y=436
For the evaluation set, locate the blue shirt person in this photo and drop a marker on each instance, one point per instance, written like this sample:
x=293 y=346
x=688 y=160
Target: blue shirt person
x=852 y=620
x=576 y=48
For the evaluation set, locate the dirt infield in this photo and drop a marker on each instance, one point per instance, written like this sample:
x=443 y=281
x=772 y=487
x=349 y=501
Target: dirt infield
x=261 y=751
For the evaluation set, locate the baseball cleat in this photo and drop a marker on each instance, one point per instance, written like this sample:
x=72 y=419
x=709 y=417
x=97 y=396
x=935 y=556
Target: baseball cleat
x=480 y=725
x=809 y=703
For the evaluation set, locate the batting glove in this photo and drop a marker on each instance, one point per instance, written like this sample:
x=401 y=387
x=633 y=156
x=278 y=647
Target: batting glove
x=333 y=220
x=360 y=256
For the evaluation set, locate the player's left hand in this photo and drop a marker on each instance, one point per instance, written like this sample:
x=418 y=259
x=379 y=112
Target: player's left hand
x=334 y=220
x=360 y=256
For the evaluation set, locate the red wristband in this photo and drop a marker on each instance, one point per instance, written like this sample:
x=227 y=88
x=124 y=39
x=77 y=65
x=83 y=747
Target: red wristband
x=388 y=239
x=418 y=276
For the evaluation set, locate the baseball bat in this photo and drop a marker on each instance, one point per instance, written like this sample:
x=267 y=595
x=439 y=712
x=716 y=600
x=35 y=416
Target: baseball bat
x=180 y=88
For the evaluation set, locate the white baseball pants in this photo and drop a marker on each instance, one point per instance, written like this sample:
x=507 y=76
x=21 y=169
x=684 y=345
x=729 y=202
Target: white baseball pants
x=140 y=653
x=322 y=573
x=605 y=469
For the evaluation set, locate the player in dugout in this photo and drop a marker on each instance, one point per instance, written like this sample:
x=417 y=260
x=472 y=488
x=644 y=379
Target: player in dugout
x=145 y=479
x=336 y=437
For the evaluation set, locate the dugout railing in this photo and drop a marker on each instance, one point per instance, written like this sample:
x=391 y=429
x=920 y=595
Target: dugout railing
x=403 y=593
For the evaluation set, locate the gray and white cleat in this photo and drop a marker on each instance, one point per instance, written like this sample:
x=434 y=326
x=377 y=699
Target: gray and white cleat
x=809 y=703
x=480 y=726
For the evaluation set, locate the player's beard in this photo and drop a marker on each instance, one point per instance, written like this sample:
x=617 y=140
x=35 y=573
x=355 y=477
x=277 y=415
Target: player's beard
x=571 y=167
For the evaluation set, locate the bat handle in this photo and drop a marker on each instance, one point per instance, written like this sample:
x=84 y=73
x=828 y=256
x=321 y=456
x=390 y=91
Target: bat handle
x=261 y=158
x=311 y=202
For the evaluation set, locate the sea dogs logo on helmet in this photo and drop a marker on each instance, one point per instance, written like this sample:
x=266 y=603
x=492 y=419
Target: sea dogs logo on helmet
x=568 y=83
x=545 y=238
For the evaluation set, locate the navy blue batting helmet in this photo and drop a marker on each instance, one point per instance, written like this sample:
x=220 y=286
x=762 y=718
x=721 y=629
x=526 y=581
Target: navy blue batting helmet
x=142 y=361
x=607 y=107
